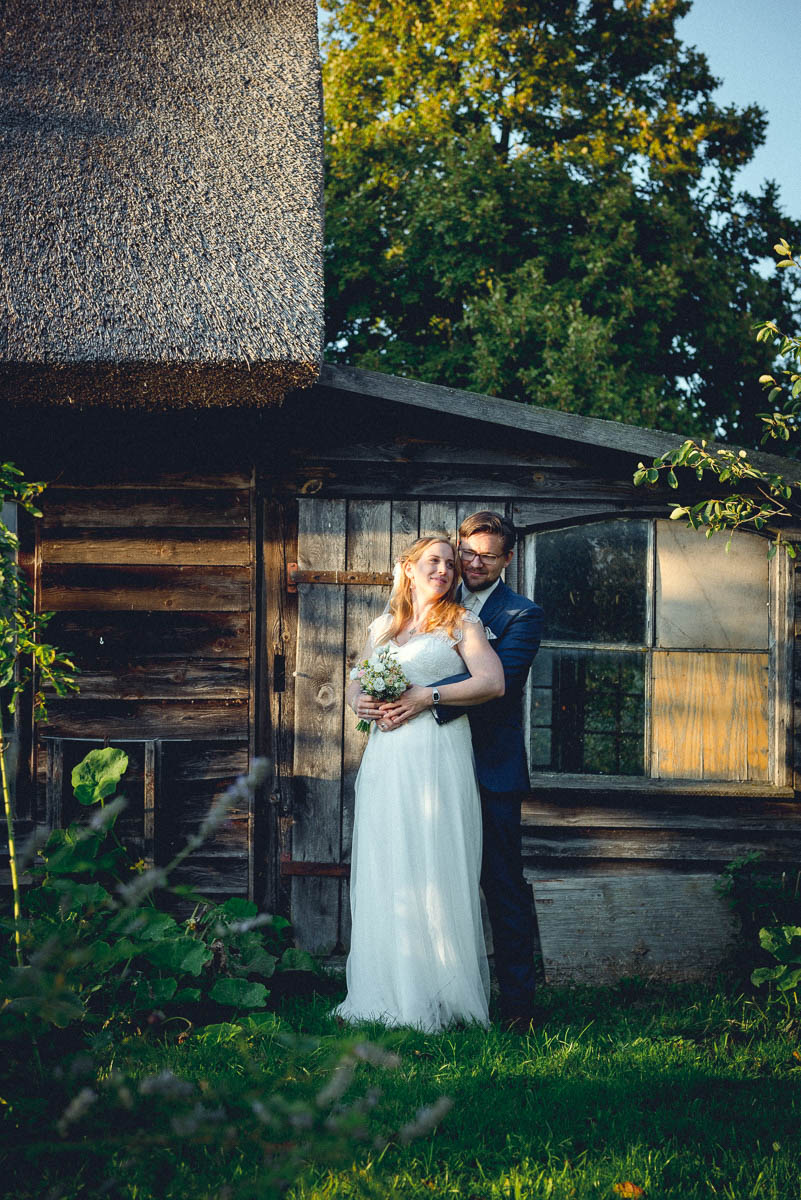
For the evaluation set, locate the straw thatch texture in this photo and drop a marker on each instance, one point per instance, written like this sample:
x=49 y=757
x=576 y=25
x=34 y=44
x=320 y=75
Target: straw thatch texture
x=161 y=200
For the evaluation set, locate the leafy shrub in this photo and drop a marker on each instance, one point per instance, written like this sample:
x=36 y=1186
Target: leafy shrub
x=761 y=898
x=104 y=964
x=767 y=903
x=784 y=944
x=97 y=943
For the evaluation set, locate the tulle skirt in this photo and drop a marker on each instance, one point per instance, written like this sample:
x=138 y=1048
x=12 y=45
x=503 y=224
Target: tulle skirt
x=417 y=952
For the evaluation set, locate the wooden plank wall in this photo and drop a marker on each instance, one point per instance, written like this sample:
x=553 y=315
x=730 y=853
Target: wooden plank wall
x=623 y=882
x=152 y=585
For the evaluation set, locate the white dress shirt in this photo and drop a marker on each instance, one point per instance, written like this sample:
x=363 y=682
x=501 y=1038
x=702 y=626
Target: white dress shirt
x=475 y=601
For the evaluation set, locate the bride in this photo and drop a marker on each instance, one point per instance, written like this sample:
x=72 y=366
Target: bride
x=417 y=948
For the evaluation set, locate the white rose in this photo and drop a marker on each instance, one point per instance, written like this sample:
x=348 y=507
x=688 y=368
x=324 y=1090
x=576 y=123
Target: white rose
x=379 y=685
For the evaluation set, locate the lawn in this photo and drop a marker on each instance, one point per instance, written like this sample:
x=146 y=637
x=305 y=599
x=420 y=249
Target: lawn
x=682 y=1092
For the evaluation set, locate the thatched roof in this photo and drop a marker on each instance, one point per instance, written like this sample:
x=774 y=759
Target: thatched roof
x=160 y=200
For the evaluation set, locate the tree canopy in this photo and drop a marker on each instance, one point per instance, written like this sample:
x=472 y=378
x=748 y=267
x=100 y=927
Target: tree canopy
x=537 y=200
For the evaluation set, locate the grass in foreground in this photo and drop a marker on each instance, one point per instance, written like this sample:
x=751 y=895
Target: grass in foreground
x=681 y=1092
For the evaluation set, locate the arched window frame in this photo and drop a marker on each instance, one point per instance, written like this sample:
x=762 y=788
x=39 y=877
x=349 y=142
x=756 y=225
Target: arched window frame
x=780 y=771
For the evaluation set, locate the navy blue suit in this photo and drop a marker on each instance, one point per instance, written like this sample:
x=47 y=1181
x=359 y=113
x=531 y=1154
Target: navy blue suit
x=499 y=748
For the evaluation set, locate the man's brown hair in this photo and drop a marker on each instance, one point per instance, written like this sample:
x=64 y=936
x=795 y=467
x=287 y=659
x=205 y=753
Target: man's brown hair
x=489 y=522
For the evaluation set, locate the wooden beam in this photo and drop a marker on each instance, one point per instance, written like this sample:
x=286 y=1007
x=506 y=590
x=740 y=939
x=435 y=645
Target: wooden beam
x=77 y=587
x=99 y=508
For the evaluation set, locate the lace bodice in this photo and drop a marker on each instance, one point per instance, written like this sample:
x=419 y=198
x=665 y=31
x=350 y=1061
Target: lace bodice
x=427 y=657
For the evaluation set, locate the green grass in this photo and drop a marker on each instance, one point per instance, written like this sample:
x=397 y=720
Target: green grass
x=682 y=1092
x=685 y=1092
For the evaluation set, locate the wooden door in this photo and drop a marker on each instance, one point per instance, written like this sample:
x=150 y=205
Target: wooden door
x=349 y=537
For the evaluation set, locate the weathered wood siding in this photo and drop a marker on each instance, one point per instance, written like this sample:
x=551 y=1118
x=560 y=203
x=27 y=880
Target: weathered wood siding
x=152 y=585
x=623 y=880
x=169 y=584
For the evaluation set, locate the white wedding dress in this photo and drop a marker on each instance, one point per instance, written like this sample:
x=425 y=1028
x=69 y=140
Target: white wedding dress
x=417 y=952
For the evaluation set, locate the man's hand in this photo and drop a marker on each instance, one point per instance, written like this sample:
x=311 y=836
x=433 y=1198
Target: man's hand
x=395 y=713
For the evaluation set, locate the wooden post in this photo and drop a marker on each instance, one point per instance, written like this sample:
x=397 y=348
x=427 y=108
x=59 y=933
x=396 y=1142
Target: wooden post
x=369 y=549
x=55 y=783
x=151 y=791
x=318 y=724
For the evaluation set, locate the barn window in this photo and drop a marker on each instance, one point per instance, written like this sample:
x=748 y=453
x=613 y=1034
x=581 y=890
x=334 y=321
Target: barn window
x=659 y=654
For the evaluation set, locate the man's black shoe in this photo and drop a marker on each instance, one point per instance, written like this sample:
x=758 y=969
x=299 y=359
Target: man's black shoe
x=523 y=1020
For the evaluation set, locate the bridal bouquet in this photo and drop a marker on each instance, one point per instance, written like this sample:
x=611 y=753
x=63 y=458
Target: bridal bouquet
x=382 y=677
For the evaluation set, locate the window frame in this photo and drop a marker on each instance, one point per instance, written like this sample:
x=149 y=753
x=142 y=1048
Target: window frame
x=780 y=680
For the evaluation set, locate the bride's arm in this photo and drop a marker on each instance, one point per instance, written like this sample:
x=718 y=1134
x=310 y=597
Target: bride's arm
x=485 y=683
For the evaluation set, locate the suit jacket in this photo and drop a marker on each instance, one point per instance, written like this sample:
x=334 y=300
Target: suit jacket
x=497 y=726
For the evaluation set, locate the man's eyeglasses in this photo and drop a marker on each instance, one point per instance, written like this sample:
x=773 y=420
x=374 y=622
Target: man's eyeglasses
x=488 y=560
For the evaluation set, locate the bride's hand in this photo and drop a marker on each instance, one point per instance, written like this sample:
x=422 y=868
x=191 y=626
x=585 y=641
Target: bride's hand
x=366 y=707
x=397 y=712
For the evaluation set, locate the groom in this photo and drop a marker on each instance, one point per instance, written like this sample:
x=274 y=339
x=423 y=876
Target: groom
x=514 y=626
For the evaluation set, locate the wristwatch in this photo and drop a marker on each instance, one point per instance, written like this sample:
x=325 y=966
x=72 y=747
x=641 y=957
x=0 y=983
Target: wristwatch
x=435 y=697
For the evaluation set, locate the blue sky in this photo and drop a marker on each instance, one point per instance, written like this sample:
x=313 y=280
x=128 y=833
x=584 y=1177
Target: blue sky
x=754 y=48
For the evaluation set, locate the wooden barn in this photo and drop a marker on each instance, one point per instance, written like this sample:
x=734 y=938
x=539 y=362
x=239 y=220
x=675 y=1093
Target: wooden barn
x=223 y=512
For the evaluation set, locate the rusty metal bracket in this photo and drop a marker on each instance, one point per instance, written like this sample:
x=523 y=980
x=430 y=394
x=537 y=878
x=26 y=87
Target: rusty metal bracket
x=294 y=576
x=293 y=867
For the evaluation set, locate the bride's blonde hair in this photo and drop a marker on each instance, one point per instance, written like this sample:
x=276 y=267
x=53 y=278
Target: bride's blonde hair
x=445 y=614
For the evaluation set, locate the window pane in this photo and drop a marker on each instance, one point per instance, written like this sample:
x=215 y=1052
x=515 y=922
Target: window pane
x=587 y=712
x=710 y=716
x=706 y=597
x=590 y=580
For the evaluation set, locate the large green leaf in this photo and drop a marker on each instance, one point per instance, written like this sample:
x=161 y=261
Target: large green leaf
x=790 y=979
x=187 y=995
x=258 y=962
x=80 y=894
x=296 y=960
x=108 y=954
x=181 y=955
x=74 y=858
x=239 y=993
x=97 y=775
x=237 y=909
x=218 y=1035
x=155 y=925
x=783 y=942
x=765 y=975
x=154 y=991
x=260 y=1022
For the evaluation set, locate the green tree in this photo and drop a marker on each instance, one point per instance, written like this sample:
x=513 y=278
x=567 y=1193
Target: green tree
x=744 y=494
x=536 y=199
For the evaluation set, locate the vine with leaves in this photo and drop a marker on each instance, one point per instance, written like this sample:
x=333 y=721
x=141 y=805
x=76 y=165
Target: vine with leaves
x=26 y=658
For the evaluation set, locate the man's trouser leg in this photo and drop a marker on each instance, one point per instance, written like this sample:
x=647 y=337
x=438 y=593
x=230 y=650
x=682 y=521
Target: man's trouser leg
x=509 y=901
